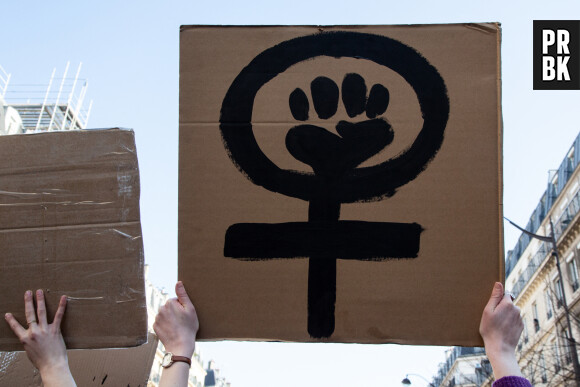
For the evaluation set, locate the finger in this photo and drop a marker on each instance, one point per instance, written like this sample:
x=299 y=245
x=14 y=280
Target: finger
x=40 y=307
x=182 y=296
x=60 y=311
x=496 y=296
x=29 y=308
x=18 y=330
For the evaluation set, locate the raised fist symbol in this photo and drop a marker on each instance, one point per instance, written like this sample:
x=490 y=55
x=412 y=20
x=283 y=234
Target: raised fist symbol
x=330 y=155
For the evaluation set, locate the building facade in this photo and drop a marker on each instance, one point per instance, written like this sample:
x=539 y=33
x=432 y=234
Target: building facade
x=213 y=377
x=544 y=352
x=463 y=366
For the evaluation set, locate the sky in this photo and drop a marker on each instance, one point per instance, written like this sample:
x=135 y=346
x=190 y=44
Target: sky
x=130 y=56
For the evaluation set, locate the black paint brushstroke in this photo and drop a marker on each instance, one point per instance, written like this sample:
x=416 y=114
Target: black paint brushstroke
x=332 y=156
x=321 y=296
x=327 y=240
x=378 y=101
x=322 y=273
x=365 y=138
x=334 y=160
x=354 y=94
x=324 y=96
x=299 y=106
x=360 y=184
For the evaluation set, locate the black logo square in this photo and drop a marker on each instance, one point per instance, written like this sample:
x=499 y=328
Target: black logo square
x=556 y=53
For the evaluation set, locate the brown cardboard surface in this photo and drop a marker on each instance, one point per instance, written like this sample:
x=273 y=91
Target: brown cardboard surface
x=95 y=367
x=250 y=227
x=70 y=224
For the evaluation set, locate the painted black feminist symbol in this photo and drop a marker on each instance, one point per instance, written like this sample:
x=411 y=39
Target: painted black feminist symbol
x=324 y=238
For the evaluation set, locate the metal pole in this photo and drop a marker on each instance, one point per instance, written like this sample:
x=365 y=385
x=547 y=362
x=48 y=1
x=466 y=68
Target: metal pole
x=566 y=310
x=77 y=108
x=56 y=108
x=44 y=102
x=70 y=97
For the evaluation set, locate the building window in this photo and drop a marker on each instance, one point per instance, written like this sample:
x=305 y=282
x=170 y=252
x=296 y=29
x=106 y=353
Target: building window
x=559 y=295
x=543 y=373
x=573 y=272
x=536 y=319
x=567 y=349
x=570 y=163
x=525 y=335
x=530 y=371
x=556 y=350
x=548 y=299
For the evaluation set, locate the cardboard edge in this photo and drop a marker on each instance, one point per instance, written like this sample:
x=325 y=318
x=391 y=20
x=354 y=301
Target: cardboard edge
x=441 y=343
x=500 y=160
x=80 y=131
x=489 y=27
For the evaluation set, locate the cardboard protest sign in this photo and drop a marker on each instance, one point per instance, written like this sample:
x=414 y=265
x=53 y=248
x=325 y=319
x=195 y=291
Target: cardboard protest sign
x=98 y=367
x=340 y=183
x=70 y=224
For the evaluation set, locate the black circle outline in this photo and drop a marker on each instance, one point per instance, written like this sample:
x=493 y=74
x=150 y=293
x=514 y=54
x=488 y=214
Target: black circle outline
x=360 y=184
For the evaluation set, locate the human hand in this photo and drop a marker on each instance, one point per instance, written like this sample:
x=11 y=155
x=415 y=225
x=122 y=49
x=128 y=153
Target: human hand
x=42 y=341
x=176 y=324
x=500 y=327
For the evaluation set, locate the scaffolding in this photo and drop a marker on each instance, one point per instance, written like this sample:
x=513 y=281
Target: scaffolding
x=52 y=107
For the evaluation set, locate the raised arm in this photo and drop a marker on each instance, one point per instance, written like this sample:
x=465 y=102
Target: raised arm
x=176 y=326
x=43 y=342
x=501 y=326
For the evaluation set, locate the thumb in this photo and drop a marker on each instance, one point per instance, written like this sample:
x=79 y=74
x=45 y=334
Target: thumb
x=182 y=296
x=496 y=296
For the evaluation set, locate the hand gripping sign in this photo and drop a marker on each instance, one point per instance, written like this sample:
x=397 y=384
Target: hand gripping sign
x=334 y=160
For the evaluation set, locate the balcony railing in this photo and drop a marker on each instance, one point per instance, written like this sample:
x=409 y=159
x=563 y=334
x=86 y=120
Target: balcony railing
x=567 y=216
x=455 y=353
x=559 y=227
x=529 y=271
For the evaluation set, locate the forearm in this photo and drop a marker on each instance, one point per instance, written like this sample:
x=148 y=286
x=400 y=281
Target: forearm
x=57 y=377
x=504 y=364
x=175 y=376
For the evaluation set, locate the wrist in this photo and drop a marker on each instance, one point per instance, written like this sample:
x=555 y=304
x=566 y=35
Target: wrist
x=55 y=366
x=500 y=351
x=504 y=363
x=57 y=375
x=181 y=349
